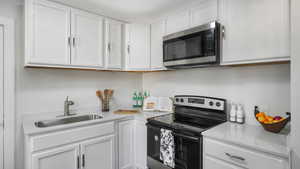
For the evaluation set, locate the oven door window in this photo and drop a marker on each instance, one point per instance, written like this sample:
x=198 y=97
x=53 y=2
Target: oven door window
x=188 y=153
x=153 y=142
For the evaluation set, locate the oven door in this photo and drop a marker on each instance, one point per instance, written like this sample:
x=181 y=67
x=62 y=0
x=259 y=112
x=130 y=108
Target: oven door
x=188 y=151
x=153 y=142
x=193 y=49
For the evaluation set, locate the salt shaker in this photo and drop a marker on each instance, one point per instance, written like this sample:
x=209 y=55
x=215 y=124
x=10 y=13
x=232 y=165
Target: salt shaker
x=233 y=112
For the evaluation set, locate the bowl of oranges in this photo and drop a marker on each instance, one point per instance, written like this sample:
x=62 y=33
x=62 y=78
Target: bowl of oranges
x=271 y=123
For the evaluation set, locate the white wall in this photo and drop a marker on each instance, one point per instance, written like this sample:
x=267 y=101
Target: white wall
x=265 y=86
x=44 y=90
x=295 y=82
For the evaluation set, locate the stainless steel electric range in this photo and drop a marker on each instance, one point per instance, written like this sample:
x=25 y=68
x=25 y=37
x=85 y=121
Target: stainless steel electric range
x=192 y=116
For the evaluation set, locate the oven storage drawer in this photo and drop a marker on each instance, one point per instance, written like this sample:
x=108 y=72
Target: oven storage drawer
x=242 y=156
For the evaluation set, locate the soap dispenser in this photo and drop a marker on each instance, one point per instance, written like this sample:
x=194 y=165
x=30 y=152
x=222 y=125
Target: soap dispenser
x=240 y=116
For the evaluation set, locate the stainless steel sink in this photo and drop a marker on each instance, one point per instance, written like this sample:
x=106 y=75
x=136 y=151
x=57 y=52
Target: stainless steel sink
x=67 y=120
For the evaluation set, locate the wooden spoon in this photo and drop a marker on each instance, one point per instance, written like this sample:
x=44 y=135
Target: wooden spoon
x=100 y=95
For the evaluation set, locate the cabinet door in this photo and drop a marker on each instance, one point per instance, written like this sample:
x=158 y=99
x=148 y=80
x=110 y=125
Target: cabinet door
x=138 y=47
x=87 y=39
x=66 y=157
x=140 y=137
x=49 y=32
x=114 y=44
x=213 y=163
x=157 y=33
x=98 y=153
x=178 y=22
x=255 y=30
x=125 y=142
x=205 y=12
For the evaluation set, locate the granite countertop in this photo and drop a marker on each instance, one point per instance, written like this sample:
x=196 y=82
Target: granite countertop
x=250 y=136
x=29 y=127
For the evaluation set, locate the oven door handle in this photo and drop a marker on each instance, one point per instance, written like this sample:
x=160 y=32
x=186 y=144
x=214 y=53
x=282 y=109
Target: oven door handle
x=187 y=137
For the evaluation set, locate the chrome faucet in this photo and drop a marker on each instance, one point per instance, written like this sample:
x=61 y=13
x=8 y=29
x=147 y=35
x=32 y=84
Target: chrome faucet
x=67 y=105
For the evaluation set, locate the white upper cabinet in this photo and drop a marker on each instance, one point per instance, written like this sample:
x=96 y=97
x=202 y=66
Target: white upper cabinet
x=48 y=33
x=178 y=22
x=255 y=31
x=137 y=47
x=157 y=32
x=114 y=44
x=205 y=12
x=87 y=39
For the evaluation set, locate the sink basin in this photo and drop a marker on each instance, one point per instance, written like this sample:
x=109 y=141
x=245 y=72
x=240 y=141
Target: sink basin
x=67 y=120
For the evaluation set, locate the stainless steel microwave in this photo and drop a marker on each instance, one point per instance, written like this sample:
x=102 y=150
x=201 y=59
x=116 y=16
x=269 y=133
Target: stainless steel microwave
x=195 y=47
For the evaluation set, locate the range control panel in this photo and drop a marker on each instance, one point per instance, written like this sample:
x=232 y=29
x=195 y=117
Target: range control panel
x=201 y=102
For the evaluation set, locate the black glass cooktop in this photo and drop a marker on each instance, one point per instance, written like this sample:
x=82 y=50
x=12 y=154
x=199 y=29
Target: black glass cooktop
x=170 y=121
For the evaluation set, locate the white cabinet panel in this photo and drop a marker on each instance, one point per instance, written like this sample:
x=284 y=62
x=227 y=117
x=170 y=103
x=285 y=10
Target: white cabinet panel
x=87 y=39
x=213 y=163
x=205 y=12
x=140 y=144
x=255 y=30
x=178 y=22
x=125 y=142
x=157 y=33
x=50 y=30
x=138 y=47
x=114 y=44
x=98 y=153
x=1 y=95
x=59 y=158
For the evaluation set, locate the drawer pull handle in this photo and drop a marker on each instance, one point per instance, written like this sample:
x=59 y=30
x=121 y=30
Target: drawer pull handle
x=235 y=157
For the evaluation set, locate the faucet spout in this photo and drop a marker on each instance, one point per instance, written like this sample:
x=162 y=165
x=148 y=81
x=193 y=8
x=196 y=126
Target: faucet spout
x=67 y=105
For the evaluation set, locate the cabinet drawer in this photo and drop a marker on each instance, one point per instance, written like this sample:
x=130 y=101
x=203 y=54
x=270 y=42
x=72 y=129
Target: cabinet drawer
x=70 y=135
x=242 y=156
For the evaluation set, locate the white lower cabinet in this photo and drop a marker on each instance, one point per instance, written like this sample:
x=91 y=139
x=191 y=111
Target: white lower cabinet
x=214 y=163
x=218 y=154
x=57 y=158
x=91 y=154
x=98 y=153
x=125 y=143
x=140 y=142
x=86 y=147
x=132 y=142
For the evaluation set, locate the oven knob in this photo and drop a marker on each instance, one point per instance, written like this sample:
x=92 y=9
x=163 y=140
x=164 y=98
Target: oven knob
x=181 y=100
x=211 y=103
x=177 y=100
x=218 y=104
